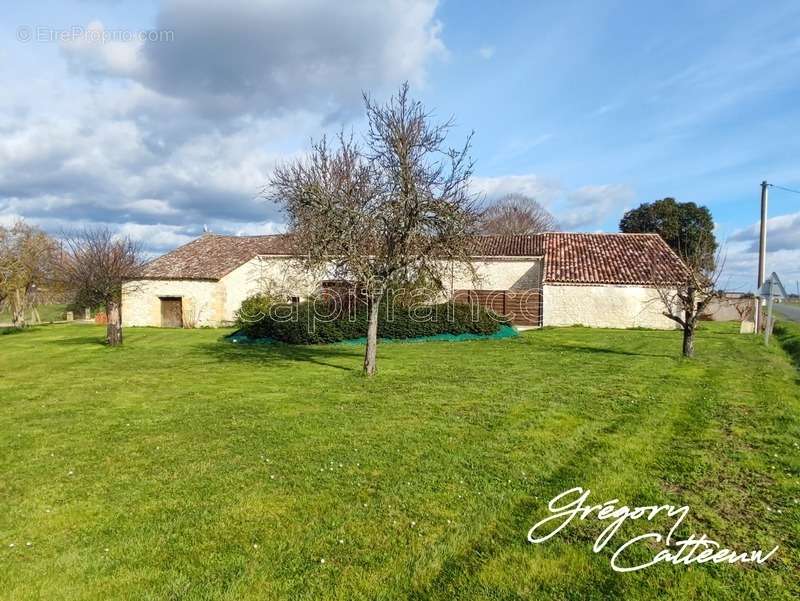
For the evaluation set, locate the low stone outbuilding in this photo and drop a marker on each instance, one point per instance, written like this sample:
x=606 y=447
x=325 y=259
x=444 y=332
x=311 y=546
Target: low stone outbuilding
x=551 y=279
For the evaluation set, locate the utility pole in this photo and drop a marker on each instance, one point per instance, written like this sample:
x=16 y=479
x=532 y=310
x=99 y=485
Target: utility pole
x=762 y=249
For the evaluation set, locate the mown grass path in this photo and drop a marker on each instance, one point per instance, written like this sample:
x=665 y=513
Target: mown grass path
x=184 y=467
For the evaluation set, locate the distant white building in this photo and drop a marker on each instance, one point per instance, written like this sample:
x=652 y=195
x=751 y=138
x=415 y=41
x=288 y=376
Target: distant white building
x=550 y=279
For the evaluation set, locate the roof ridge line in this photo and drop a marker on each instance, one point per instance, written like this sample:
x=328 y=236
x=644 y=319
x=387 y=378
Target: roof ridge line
x=237 y=237
x=604 y=233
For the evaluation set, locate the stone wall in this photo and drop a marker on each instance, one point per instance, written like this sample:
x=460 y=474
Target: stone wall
x=285 y=276
x=202 y=302
x=207 y=303
x=728 y=309
x=604 y=307
x=281 y=275
x=508 y=274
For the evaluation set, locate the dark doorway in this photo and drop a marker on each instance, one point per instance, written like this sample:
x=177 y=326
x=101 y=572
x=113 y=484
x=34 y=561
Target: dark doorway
x=171 y=312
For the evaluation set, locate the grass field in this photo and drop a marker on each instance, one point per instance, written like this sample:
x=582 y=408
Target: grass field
x=184 y=467
x=47 y=313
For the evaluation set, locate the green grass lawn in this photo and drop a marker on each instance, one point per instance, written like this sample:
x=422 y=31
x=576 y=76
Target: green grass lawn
x=47 y=313
x=185 y=467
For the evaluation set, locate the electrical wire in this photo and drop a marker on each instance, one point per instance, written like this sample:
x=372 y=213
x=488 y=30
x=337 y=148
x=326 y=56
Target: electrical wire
x=783 y=188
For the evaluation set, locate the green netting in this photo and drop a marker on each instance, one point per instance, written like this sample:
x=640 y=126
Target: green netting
x=239 y=338
x=504 y=332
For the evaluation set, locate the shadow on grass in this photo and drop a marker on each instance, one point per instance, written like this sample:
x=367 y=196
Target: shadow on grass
x=223 y=350
x=611 y=351
x=8 y=331
x=80 y=340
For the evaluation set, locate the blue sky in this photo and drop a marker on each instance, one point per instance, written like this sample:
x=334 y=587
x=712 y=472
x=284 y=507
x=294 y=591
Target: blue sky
x=591 y=107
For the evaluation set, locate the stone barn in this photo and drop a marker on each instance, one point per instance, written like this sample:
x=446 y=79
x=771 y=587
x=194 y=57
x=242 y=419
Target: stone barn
x=549 y=279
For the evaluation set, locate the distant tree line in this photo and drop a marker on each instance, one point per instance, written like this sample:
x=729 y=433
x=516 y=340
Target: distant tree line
x=88 y=268
x=28 y=268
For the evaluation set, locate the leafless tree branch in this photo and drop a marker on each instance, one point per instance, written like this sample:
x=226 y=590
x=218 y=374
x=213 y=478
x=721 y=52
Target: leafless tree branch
x=686 y=300
x=516 y=214
x=27 y=264
x=96 y=264
x=392 y=210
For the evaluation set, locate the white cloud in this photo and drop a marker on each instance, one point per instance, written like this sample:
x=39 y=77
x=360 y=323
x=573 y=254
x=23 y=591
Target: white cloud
x=156 y=237
x=167 y=136
x=253 y=56
x=150 y=206
x=98 y=54
x=741 y=267
x=592 y=205
x=580 y=208
x=95 y=168
x=783 y=233
x=9 y=219
x=486 y=52
x=256 y=229
x=603 y=109
x=783 y=252
x=544 y=190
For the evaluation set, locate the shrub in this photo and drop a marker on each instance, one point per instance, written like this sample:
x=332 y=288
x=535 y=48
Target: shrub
x=255 y=308
x=307 y=323
x=10 y=331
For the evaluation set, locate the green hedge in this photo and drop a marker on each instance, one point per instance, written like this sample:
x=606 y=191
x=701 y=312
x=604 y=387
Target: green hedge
x=297 y=324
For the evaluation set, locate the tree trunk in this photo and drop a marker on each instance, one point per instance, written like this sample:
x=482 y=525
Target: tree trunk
x=114 y=327
x=689 y=321
x=371 y=355
x=688 y=340
x=18 y=310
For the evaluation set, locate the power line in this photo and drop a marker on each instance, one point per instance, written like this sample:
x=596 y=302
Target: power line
x=783 y=188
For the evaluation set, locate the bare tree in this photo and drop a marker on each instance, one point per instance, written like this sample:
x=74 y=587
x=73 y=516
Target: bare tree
x=685 y=301
x=386 y=212
x=516 y=214
x=95 y=266
x=745 y=307
x=27 y=259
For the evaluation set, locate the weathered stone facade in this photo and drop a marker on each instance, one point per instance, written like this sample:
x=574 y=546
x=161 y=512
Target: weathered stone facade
x=606 y=306
x=203 y=302
x=501 y=274
x=281 y=274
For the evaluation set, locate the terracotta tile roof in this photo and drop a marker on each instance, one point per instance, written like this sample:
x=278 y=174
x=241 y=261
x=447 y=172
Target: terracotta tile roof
x=643 y=259
x=509 y=246
x=568 y=258
x=211 y=257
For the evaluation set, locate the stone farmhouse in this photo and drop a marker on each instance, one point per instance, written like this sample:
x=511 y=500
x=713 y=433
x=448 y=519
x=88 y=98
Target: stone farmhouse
x=549 y=279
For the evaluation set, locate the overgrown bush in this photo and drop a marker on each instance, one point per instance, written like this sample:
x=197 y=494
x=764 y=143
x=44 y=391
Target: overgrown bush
x=253 y=309
x=315 y=323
